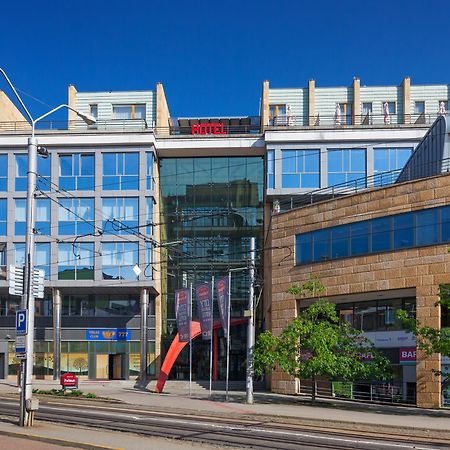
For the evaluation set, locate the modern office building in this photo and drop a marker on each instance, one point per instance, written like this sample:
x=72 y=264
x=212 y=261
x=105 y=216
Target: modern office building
x=376 y=251
x=179 y=198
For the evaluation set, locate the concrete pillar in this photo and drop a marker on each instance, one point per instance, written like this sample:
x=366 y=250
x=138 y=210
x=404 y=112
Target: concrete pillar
x=428 y=385
x=56 y=334
x=144 y=334
x=311 y=102
x=406 y=95
x=356 y=109
x=264 y=108
x=162 y=111
x=72 y=102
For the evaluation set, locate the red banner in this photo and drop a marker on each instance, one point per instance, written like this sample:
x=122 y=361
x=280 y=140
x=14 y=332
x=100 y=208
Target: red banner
x=183 y=313
x=204 y=309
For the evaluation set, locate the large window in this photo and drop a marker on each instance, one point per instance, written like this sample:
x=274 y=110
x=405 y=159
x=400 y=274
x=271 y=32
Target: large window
x=3 y=173
x=270 y=169
x=149 y=216
x=120 y=171
x=3 y=216
x=300 y=168
x=77 y=172
x=42 y=223
x=76 y=261
x=150 y=161
x=76 y=216
x=345 y=166
x=119 y=258
x=41 y=256
x=396 y=232
x=129 y=112
x=43 y=169
x=376 y=315
x=120 y=215
x=389 y=159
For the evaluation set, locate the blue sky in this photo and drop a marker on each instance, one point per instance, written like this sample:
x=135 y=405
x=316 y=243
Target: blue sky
x=213 y=56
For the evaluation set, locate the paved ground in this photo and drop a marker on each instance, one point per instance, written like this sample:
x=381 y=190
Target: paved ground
x=329 y=412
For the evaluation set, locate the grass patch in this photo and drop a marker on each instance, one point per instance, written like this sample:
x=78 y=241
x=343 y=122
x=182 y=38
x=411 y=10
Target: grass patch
x=64 y=393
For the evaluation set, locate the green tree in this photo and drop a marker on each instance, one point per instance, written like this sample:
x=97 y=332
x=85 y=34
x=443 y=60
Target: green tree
x=317 y=344
x=430 y=340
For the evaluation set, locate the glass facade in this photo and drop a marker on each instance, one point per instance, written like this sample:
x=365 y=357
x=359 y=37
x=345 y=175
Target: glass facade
x=270 y=169
x=76 y=216
x=76 y=261
x=3 y=173
x=408 y=230
x=3 y=216
x=42 y=221
x=43 y=181
x=121 y=171
x=118 y=260
x=388 y=159
x=210 y=207
x=77 y=172
x=346 y=166
x=41 y=256
x=300 y=168
x=120 y=214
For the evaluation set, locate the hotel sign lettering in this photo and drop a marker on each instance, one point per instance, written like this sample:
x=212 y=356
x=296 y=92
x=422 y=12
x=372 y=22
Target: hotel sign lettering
x=208 y=128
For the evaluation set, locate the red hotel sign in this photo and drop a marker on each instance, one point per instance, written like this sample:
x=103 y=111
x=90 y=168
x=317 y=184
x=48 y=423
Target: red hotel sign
x=208 y=128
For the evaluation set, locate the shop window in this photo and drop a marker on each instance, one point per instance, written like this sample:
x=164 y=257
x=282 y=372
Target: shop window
x=365 y=318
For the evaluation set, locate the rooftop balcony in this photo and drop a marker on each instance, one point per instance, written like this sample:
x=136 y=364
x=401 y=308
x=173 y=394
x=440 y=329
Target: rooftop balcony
x=339 y=121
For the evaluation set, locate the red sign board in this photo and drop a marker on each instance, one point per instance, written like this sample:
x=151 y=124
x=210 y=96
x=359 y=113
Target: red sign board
x=407 y=355
x=208 y=128
x=68 y=380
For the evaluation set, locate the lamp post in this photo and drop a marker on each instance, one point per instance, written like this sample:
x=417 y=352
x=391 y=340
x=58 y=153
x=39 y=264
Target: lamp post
x=26 y=415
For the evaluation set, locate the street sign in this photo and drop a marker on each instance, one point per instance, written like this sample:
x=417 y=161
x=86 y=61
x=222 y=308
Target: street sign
x=21 y=343
x=21 y=356
x=16 y=280
x=38 y=283
x=21 y=322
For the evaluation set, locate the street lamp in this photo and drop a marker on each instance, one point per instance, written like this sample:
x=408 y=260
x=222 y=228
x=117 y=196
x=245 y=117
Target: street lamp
x=26 y=416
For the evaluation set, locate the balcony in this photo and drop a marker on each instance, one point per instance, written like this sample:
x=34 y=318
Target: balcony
x=368 y=120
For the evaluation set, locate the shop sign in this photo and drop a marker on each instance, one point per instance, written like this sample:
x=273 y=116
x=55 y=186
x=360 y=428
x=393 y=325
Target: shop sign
x=407 y=355
x=108 y=334
x=208 y=128
x=183 y=313
x=203 y=296
x=68 y=380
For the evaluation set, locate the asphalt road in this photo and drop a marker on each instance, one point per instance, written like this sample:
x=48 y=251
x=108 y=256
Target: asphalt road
x=254 y=434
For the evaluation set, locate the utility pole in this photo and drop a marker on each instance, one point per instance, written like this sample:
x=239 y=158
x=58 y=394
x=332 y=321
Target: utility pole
x=251 y=324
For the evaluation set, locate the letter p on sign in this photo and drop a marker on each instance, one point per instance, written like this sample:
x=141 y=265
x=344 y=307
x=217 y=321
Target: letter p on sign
x=21 y=321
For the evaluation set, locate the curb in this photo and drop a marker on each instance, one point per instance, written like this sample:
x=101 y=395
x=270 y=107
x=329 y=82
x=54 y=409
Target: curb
x=57 y=441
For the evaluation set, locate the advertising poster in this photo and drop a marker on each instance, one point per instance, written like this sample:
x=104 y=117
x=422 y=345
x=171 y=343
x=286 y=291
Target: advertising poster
x=183 y=313
x=204 y=308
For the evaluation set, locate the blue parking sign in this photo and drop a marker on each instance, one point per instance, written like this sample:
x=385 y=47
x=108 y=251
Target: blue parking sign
x=21 y=321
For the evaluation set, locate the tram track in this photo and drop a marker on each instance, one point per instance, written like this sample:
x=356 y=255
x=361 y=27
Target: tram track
x=246 y=433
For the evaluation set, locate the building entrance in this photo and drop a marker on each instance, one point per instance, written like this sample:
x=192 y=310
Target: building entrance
x=115 y=366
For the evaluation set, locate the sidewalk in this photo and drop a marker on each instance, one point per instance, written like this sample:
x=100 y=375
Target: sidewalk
x=274 y=407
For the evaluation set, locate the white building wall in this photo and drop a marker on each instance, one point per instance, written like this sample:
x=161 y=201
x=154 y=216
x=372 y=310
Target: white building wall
x=105 y=102
x=378 y=95
x=297 y=99
x=326 y=99
x=431 y=95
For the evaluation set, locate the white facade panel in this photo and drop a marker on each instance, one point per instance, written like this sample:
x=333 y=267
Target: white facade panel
x=432 y=95
x=297 y=99
x=105 y=102
x=378 y=95
x=326 y=99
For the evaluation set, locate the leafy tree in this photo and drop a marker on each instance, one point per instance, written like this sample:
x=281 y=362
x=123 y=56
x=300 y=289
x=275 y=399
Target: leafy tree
x=317 y=344
x=430 y=340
